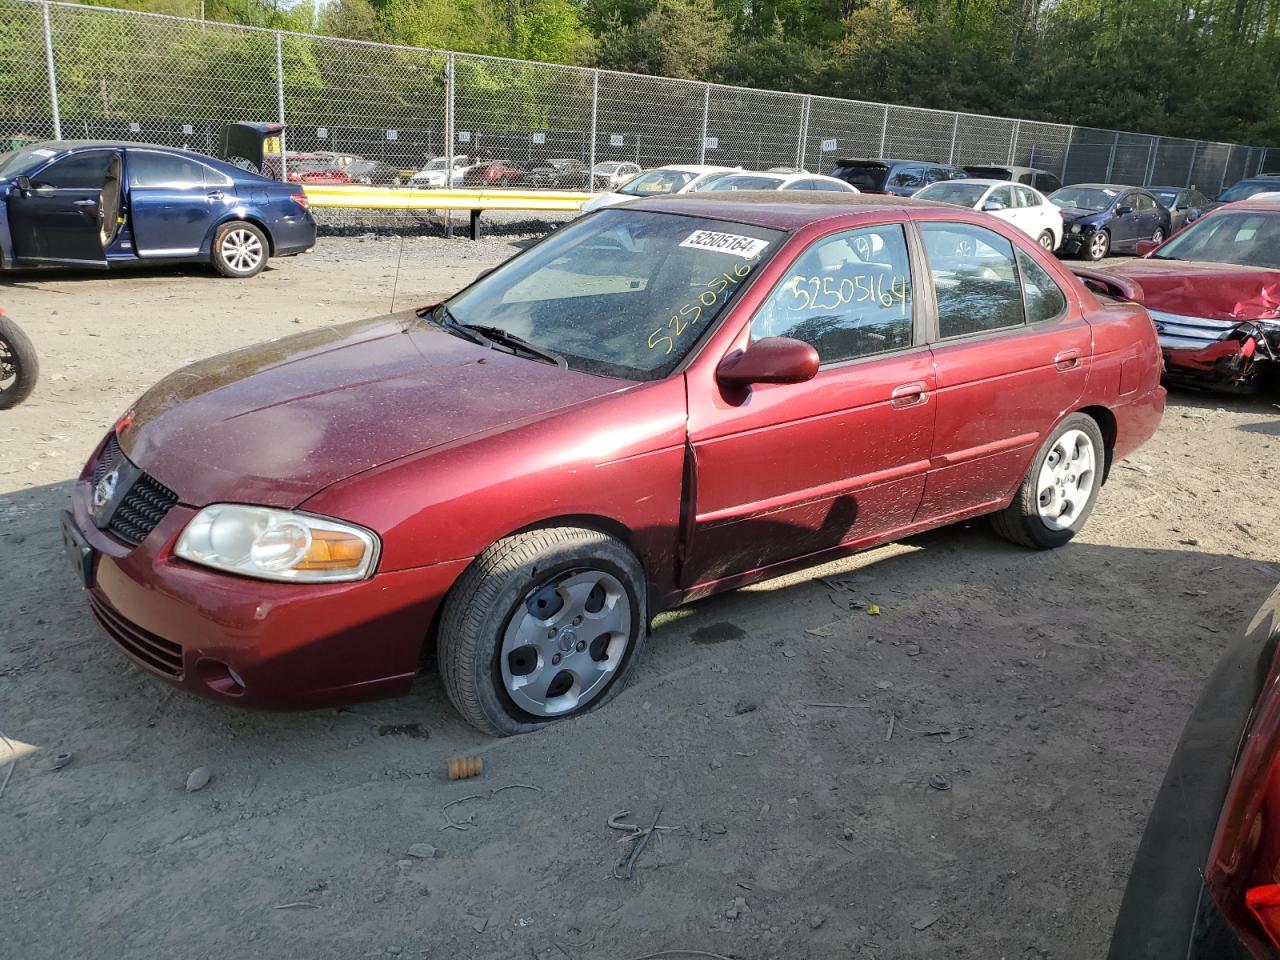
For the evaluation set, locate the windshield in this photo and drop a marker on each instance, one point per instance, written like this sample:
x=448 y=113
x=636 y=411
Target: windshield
x=657 y=182
x=864 y=176
x=1166 y=197
x=747 y=183
x=1245 y=189
x=707 y=181
x=1096 y=199
x=960 y=194
x=606 y=167
x=18 y=162
x=1250 y=239
x=621 y=293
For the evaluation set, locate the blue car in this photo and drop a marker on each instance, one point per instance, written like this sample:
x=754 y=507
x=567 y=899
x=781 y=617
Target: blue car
x=98 y=204
x=1099 y=218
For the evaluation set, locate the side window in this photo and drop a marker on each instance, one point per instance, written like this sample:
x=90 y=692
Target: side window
x=908 y=177
x=1026 y=198
x=1046 y=183
x=974 y=278
x=827 y=185
x=936 y=175
x=149 y=169
x=849 y=295
x=1003 y=195
x=1044 y=298
x=799 y=185
x=80 y=171
x=1142 y=202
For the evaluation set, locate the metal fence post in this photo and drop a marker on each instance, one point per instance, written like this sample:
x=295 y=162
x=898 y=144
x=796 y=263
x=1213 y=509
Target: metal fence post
x=595 y=112
x=1191 y=169
x=1149 y=171
x=53 y=73
x=284 y=163
x=1066 y=154
x=1111 y=160
x=884 y=131
x=1226 y=165
x=803 y=134
x=1262 y=161
x=955 y=129
x=450 y=135
x=1013 y=140
x=706 y=113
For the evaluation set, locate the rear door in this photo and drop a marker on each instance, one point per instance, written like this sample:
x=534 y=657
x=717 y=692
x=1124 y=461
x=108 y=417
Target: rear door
x=1012 y=354
x=173 y=202
x=793 y=470
x=60 y=220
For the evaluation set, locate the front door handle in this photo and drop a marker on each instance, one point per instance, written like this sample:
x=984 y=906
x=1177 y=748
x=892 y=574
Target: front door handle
x=909 y=394
x=216 y=195
x=85 y=203
x=1067 y=359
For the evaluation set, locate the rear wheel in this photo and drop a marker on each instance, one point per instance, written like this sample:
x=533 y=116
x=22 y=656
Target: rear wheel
x=1158 y=236
x=239 y=250
x=1060 y=489
x=543 y=625
x=19 y=367
x=1046 y=240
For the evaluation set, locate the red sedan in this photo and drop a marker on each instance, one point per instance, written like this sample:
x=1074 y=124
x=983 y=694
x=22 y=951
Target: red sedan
x=655 y=403
x=1213 y=290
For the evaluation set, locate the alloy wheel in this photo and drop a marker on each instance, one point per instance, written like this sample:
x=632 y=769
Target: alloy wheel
x=1158 y=236
x=1046 y=240
x=565 y=641
x=1099 y=245
x=1067 y=477
x=241 y=250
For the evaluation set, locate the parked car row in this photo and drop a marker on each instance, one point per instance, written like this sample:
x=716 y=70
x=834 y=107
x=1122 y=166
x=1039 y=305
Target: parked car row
x=558 y=174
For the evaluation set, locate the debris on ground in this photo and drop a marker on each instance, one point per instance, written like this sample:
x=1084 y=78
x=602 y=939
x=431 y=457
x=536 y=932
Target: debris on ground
x=638 y=837
x=873 y=609
x=198 y=779
x=423 y=851
x=743 y=706
x=738 y=909
x=939 y=782
x=1134 y=465
x=464 y=768
x=924 y=923
x=61 y=760
x=467 y=824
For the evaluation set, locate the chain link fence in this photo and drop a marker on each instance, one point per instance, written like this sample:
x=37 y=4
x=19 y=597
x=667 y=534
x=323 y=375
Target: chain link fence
x=73 y=72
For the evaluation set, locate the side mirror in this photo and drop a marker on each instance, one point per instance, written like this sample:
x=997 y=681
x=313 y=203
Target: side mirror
x=771 y=360
x=1146 y=246
x=993 y=205
x=1123 y=211
x=23 y=184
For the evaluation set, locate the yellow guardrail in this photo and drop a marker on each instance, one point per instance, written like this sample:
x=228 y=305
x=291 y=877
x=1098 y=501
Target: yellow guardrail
x=475 y=201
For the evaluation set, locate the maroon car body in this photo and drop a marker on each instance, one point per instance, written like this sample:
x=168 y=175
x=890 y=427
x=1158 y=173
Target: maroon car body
x=443 y=448
x=1218 y=319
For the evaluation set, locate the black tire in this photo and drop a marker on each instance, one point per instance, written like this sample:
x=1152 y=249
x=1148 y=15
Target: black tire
x=1096 y=252
x=1020 y=522
x=492 y=591
x=239 y=235
x=19 y=366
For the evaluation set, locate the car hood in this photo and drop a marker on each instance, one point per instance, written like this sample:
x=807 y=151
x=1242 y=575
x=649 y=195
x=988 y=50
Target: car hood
x=1217 y=291
x=276 y=423
x=1080 y=215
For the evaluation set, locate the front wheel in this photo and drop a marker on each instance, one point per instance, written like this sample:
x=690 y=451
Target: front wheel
x=1060 y=489
x=543 y=625
x=19 y=367
x=1099 y=245
x=239 y=250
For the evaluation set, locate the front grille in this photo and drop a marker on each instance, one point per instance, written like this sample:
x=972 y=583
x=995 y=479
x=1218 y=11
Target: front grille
x=162 y=656
x=142 y=506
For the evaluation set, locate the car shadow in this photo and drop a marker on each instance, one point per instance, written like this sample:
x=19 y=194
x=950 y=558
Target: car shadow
x=31 y=279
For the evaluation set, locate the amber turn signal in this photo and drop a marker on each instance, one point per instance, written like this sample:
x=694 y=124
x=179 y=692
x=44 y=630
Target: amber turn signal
x=332 y=550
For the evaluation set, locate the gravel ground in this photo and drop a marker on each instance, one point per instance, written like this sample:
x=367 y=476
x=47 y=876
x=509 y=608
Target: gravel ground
x=1045 y=689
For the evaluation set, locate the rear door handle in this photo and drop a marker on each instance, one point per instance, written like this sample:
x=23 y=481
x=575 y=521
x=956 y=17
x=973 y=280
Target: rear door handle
x=216 y=195
x=1067 y=359
x=85 y=203
x=909 y=394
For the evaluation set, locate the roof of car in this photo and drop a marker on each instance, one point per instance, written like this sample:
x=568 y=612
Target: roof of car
x=889 y=162
x=1007 y=166
x=781 y=210
x=979 y=181
x=695 y=168
x=1103 y=186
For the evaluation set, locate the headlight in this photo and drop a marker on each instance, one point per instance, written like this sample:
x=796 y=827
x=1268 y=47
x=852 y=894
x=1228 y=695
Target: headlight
x=277 y=544
x=1075 y=228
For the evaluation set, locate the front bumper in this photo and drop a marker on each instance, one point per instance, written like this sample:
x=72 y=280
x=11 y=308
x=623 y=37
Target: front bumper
x=253 y=642
x=1075 y=242
x=1220 y=353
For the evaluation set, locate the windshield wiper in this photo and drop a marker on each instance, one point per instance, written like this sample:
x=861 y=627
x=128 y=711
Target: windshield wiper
x=441 y=316
x=500 y=336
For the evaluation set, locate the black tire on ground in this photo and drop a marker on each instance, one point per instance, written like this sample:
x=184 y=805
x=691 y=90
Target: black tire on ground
x=1098 y=251
x=492 y=590
x=240 y=250
x=19 y=366
x=1020 y=522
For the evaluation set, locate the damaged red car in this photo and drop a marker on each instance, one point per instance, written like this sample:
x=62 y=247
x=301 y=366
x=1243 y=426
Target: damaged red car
x=1213 y=290
x=655 y=403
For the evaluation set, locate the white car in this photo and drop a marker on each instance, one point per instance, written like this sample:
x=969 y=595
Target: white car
x=612 y=174
x=781 y=181
x=433 y=174
x=660 y=181
x=1026 y=208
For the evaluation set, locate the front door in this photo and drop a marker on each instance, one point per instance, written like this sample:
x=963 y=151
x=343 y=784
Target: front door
x=1012 y=355
x=60 y=220
x=792 y=470
x=173 y=202
x=1126 y=227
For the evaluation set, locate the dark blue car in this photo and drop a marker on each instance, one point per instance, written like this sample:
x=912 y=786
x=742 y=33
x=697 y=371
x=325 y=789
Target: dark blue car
x=1098 y=218
x=93 y=204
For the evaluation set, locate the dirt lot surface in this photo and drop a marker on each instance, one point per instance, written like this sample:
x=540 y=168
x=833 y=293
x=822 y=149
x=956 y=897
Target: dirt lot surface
x=1046 y=690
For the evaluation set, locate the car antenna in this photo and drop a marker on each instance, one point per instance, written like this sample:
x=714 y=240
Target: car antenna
x=396 y=282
